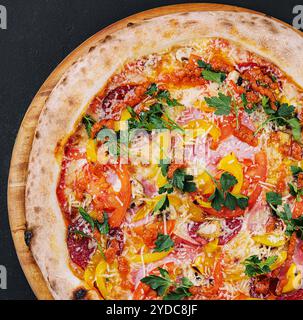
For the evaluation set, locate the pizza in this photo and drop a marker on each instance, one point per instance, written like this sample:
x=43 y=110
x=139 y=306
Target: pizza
x=167 y=164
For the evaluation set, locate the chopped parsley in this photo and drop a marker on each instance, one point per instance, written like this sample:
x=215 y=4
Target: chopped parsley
x=255 y=266
x=102 y=227
x=163 y=243
x=222 y=104
x=209 y=74
x=222 y=197
x=283 y=116
x=217 y=77
x=292 y=225
x=183 y=181
x=167 y=288
x=162 y=204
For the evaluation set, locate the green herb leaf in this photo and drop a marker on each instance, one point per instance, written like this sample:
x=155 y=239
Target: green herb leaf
x=152 y=89
x=254 y=266
x=217 y=77
x=159 y=284
x=87 y=217
x=274 y=198
x=183 y=181
x=230 y=201
x=164 y=167
x=286 y=111
x=222 y=103
x=163 y=243
x=204 y=65
x=167 y=188
x=296 y=170
x=217 y=199
x=88 y=122
x=295 y=125
x=227 y=181
x=242 y=201
x=162 y=204
x=104 y=226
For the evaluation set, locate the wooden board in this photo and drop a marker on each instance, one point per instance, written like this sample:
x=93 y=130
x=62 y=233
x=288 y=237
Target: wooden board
x=23 y=144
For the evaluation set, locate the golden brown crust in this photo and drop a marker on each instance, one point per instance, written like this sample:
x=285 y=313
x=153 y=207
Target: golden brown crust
x=83 y=80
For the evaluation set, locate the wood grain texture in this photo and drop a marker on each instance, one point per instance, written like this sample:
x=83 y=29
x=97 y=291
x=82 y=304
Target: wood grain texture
x=23 y=144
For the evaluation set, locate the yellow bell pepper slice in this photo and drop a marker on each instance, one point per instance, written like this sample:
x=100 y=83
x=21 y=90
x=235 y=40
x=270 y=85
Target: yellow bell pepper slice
x=100 y=279
x=294 y=278
x=142 y=213
x=280 y=260
x=91 y=150
x=205 y=183
x=90 y=271
x=231 y=164
x=125 y=115
x=201 y=126
x=271 y=239
x=196 y=213
x=150 y=257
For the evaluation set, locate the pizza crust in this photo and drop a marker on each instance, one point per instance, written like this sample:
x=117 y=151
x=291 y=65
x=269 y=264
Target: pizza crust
x=266 y=37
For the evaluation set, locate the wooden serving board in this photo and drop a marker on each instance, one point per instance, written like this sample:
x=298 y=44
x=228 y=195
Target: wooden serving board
x=23 y=144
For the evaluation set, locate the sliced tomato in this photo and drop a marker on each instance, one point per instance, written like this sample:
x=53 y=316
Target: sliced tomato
x=298 y=210
x=149 y=233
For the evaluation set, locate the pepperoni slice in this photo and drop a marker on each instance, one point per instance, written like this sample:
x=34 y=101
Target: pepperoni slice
x=233 y=227
x=296 y=295
x=80 y=248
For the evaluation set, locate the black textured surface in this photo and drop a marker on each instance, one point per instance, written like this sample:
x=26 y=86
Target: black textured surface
x=40 y=34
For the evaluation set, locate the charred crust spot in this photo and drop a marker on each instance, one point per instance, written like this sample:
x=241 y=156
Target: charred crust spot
x=92 y=49
x=28 y=235
x=80 y=294
x=131 y=24
x=107 y=38
x=226 y=24
x=270 y=26
x=184 y=14
x=37 y=135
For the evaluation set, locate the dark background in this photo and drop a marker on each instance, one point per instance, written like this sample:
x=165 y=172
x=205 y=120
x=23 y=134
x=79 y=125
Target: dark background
x=41 y=33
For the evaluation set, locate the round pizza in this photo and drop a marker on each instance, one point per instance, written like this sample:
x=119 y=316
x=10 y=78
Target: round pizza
x=167 y=164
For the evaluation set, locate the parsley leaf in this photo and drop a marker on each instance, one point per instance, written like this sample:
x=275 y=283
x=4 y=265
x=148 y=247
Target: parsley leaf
x=166 y=188
x=295 y=170
x=273 y=198
x=104 y=226
x=283 y=116
x=157 y=283
x=164 y=167
x=183 y=181
x=254 y=266
x=162 y=204
x=87 y=217
x=221 y=197
x=152 y=89
x=217 y=77
x=163 y=243
x=227 y=181
x=181 y=291
x=204 y=65
x=88 y=122
x=222 y=103
x=162 y=284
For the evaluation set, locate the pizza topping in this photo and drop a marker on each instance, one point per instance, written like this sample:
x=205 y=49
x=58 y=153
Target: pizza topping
x=223 y=220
